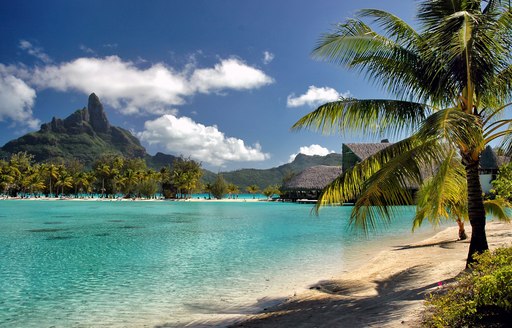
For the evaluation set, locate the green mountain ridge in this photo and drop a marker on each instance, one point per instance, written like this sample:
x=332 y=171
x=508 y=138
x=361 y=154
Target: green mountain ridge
x=275 y=176
x=86 y=134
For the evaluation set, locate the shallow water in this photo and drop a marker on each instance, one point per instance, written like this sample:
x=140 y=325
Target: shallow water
x=122 y=264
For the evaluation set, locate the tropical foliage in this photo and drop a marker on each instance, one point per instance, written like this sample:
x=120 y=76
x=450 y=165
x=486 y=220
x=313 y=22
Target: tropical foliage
x=481 y=297
x=219 y=188
x=503 y=182
x=112 y=176
x=452 y=82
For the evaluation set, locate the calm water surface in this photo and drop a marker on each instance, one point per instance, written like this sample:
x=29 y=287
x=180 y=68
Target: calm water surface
x=143 y=264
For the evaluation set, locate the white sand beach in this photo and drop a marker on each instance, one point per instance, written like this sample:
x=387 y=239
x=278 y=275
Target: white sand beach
x=387 y=291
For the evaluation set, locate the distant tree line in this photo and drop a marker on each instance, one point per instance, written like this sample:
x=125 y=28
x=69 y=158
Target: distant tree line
x=111 y=176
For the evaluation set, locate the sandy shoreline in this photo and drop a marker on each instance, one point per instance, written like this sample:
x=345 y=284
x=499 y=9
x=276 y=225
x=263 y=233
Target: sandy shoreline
x=387 y=291
x=91 y=199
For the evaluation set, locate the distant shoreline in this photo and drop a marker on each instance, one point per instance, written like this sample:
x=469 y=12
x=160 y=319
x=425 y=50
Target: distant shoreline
x=94 y=199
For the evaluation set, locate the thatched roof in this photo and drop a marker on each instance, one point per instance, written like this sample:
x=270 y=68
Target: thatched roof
x=313 y=178
x=364 y=150
x=488 y=159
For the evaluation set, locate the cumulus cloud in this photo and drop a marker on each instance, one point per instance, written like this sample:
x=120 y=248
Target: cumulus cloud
x=311 y=150
x=267 y=57
x=229 y=74
x=315 y=96
x=203 y=143
x=119 y=83
x=16 y=100
x=35 y=51
x=133 y=90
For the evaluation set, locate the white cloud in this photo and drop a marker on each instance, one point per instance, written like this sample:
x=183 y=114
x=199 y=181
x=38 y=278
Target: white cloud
x=35 y=51
x=87 y=50
x=16 y=100
x=315 y=96
x=204 y=143
x=311 y=150
x=267 y=57
x=229 y=74
x=120 y=84
x=132 y=90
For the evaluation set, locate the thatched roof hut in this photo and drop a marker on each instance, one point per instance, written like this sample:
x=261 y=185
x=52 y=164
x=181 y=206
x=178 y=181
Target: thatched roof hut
x=356 y=152
x=309 y=183
x=313 y=178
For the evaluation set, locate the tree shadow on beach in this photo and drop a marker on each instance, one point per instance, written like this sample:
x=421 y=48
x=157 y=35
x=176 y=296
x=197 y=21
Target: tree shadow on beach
x=340 y=303
x=341 y=307
x=442 y=244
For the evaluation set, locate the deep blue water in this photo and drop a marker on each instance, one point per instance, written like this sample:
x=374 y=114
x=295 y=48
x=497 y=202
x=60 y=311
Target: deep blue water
x=116 y=264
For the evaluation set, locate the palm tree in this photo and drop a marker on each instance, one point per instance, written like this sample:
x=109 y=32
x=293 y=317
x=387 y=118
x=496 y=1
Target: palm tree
x=53 y=174
x=232 y=190
x=83 y=182
x=450 y=202
x=33 y=179
x=208 y=188
x=452 y=82
x=64 y=181
x=253 y=189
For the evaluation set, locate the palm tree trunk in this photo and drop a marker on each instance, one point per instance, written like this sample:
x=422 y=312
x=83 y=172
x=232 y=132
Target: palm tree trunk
x=462 y=231
x=476 y=211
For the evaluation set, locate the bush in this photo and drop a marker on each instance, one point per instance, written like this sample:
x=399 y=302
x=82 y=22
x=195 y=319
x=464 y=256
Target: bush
x=481 y=297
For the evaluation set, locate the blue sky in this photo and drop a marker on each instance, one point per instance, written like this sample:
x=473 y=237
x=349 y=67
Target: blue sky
x=220 y=81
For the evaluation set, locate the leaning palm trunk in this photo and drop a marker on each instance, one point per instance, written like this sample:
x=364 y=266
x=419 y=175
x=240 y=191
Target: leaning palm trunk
x=476 y=211
x=462 y=231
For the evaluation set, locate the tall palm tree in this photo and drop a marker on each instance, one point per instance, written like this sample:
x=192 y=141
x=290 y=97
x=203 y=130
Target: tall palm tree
x=64 y=181
x=452 y=82
x=232 y=190
x=253 y=189
x=53 y=175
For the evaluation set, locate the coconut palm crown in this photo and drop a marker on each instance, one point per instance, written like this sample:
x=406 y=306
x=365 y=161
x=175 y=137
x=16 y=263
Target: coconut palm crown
x=452 y=82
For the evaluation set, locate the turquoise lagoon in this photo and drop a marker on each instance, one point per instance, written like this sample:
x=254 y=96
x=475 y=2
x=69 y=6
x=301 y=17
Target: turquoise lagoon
x=146 y=264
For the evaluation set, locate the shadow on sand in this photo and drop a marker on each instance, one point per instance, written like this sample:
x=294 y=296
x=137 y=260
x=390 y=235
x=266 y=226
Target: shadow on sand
x=338 y=303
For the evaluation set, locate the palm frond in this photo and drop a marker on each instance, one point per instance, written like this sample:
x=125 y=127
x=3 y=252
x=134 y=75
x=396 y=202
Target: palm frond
x=392 y=185
x=506 y=142
x=382 y=180
x=498 y=208
x=460 y=129
x=374 y=117
x=396 y=28
x=394 y=63
x=349 y=184
x=444 y=195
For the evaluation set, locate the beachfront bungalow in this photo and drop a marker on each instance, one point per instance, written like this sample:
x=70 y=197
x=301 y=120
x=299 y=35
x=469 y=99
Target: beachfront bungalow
x=490 y=163
x=308 y=184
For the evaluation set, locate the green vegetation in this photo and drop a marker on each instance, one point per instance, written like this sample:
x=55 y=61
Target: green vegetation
x=253 y=189
x=219 y=188
x=481 y=297
x=184 y=176
x=503 y=183
x=112 y=176
x=271 y=191
x=452 y=83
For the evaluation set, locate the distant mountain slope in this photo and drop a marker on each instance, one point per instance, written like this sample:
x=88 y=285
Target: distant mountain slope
x=275 y=176
x=84 y=135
